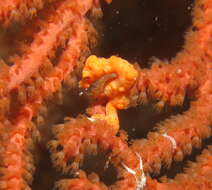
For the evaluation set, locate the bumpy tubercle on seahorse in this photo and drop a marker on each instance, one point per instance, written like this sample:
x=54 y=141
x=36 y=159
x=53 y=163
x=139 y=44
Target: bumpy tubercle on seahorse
x=111 y=80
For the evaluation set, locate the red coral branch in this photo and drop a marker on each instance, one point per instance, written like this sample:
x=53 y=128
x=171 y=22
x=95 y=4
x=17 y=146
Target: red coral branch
x=198 y=176
x=170 y=83
x=68 y=59
x=189 y=71
x=45 y=42
x=17 y=169
x=80 y=136
x=67 y=13
x=187 y=130
x=16 y=158
x=84 y=184
x=18 y=10
x=15 y=145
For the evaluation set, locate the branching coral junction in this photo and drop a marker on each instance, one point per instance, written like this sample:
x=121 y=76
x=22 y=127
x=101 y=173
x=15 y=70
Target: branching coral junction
x=53 y=52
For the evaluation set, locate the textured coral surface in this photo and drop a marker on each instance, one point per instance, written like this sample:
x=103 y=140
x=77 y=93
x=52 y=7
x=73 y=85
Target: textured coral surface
x=59 y=107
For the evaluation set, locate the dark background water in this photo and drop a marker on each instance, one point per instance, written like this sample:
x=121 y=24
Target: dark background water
x=140 y=29
x=136 y=30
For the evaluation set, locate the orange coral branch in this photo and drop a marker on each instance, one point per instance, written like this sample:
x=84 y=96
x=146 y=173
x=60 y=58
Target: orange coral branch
x=16 y=159
x=46 y=39
x=68 y=60
x=18 y=10
x=16 y=144
x=187 y=130
x=80 y=136
x=85 y=184
x=198 y=176
x=169 y=83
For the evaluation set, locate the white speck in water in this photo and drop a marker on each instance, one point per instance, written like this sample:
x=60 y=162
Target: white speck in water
x=189 y=8
x=117 y=12
x=156 y=18
x=133 y=129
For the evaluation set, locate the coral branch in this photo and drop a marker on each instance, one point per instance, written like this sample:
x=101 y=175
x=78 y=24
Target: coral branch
x=51 y=35
x=198 y=176
x=76 y=43
x=46 y=39
x=169 y=83
x=80 y=136
x=187 y=130
x=18 y=10
x=68 y=59
x=52 y=82
x=85 y=184
x=16 y=157
x=20 y=127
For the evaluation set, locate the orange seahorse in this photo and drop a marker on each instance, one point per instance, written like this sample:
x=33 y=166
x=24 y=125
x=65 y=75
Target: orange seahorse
x=109 y=79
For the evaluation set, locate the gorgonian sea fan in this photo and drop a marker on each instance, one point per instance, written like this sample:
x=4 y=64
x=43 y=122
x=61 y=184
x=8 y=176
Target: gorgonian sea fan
x=51 y=53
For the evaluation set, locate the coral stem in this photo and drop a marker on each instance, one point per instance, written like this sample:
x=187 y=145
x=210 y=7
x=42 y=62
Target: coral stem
x=187 y=130
x=198 y=176
x=67 y=13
